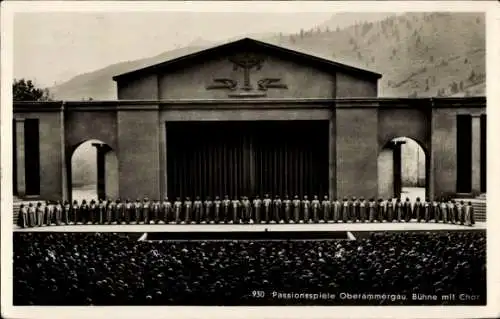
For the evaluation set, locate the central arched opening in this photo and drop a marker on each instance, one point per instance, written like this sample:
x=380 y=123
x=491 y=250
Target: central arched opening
x=402 y=170
x=94 y=171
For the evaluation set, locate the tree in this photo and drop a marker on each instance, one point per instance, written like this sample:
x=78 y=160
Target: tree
x=23 y=90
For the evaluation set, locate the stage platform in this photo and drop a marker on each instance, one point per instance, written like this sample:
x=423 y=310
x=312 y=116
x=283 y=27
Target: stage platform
x=353 y=227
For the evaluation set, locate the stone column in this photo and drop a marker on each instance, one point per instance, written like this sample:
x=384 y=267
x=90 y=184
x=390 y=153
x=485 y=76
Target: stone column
x=397 y=168
x=476 y=154
x=20 y=158
x=102 y=149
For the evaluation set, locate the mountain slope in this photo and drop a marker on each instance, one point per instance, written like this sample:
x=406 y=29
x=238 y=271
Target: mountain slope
x=419 y=54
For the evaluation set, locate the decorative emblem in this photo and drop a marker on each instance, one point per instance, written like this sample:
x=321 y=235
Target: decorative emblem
x=271 y=83
x=247 y=62
x=223 y=84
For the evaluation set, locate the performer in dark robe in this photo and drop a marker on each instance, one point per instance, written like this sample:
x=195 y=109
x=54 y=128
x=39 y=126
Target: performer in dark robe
x=66 y=212
x=166 y=212
x=217 y=209
x=257 y=210
x=208 y=210
x=116 y=211
x=22 y=217
x=354 y=210
x=146 y=211
x=452 y=209
x=306 y=210
x=372 y=210
x=427 y=210
x=435 y=211
x=75 y=212
x=326 y=208
x=235 y=204
x=296 y=209
x=267 y=204
x=246 y=210
x=157 y=212
x=177 y=210
x=399 y=210
x=33 y=218
x=92 y=212
x=460 y=212
x=469 y=214
x=277 y=206
x=443 y=211
x=188 y=211
x=380 y=210
x=58 y=213
x=363 y=210
x=226 y=209
x=389 y=210
x=417 y=210
x=344 y=212
x=137 y=210
x=197 y=210
x=287 y=209
x=49 y=213
x=101 y=209
x=407 y=210
x=336 y=210
x=315 y=208
x=85 y=212
x=128 y=211
x=110 y=212
x=123 y=212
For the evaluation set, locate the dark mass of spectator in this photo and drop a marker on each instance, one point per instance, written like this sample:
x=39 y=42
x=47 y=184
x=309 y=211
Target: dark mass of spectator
x=236 y=211
x=116 y=269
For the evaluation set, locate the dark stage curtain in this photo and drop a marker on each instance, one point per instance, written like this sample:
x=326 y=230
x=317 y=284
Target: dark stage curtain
x=247 y=158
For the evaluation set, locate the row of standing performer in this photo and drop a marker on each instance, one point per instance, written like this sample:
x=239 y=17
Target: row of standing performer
x=258 y=210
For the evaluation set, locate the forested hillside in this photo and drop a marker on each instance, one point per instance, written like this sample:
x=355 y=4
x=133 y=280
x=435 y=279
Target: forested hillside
x=419 y=54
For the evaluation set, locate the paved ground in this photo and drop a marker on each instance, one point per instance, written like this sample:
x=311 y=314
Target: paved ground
x=252 y=228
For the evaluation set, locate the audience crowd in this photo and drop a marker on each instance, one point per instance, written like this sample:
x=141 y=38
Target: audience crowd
x=118 y=269
x=236 y=211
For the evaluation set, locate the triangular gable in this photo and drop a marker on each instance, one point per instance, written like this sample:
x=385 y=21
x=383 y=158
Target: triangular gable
x=250 y=44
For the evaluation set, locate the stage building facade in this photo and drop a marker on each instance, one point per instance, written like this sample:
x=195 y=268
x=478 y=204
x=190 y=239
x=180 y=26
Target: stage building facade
x=249 y=118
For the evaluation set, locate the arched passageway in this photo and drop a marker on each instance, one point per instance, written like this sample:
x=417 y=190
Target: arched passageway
x=403 y=170
x=93 y=171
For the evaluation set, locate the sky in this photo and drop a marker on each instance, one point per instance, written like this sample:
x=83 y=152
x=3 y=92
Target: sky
x=52 y=47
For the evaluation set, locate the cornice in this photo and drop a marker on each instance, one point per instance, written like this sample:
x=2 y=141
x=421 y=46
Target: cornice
x=247 y=104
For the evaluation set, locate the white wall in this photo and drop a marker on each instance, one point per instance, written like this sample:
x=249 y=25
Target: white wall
x=385 y=174
x=111 y=178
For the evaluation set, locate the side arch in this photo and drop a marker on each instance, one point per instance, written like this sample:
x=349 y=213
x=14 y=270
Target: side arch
x=93 y=164
x=403 y=162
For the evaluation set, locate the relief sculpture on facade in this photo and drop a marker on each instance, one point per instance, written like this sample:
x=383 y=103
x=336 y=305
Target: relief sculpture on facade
x=246 y=62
